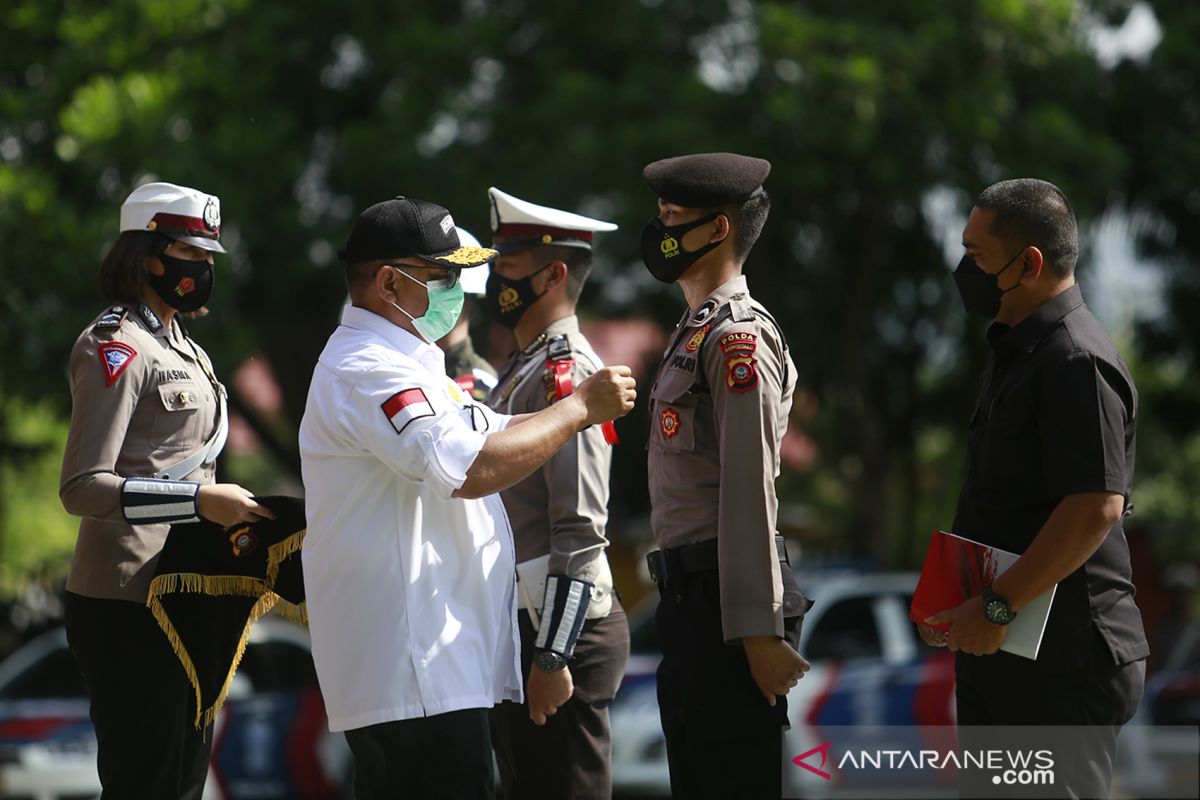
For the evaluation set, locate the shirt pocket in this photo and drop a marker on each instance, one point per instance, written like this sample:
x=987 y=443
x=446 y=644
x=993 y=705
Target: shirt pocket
x=178 y=417
x=673 y=424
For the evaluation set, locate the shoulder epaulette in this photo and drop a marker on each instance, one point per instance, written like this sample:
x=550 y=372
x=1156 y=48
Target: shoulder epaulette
x=112 y=319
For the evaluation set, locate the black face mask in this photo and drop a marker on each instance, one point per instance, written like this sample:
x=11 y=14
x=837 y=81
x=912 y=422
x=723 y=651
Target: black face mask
x=662 y=252
x=980 y=291
x=184 y=285
x=509 y=298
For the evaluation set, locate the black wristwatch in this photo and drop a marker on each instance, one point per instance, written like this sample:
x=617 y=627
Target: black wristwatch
x=996 y=608
x=549 y=661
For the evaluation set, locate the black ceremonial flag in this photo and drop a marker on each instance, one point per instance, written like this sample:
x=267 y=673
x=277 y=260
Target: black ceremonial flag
x=213 y=582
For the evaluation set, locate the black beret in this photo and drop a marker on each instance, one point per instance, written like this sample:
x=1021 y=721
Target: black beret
x=706 y=180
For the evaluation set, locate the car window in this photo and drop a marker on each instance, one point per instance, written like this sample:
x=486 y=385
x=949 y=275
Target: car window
x=55 y=676
x=847 y=629
x=278 y=667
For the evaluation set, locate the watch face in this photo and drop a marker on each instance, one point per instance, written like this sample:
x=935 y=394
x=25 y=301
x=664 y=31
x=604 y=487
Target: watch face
x=997 y=612
x=550 y=662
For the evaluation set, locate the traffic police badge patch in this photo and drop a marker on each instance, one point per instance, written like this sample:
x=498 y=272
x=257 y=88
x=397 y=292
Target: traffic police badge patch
x=669 y=423
x=697 y=339
x=743 y=374
x=115 y=357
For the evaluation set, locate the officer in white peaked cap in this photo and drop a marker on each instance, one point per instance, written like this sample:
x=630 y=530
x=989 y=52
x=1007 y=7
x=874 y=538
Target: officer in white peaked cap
x=574 y=633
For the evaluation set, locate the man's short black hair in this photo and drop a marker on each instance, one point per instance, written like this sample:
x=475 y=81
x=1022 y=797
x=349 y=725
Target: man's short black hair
x=359 y=273
x=748 y=219
x=577 y=259
x=1034 y=212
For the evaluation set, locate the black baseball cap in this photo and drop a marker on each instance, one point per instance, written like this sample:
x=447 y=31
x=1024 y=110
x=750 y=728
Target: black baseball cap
x=405 y=227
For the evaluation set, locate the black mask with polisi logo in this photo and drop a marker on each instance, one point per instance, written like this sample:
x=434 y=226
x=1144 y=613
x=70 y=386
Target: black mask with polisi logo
x=184 y=285
x=509 y=298
x=663 y=253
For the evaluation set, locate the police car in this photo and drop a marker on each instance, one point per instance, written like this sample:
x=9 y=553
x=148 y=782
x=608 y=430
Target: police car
x=270 y=740
x=869 y=668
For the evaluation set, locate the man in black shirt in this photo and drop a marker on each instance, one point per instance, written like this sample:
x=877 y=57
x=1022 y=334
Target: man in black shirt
x=1051 y=454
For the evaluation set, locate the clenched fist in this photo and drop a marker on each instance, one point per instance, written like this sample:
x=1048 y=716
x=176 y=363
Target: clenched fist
x=608 y=394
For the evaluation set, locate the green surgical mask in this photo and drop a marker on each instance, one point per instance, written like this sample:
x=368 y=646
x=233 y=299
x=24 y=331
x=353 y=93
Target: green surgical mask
x=445 y=304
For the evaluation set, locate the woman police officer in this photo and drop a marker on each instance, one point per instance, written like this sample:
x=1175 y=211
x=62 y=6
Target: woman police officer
x=148 y=419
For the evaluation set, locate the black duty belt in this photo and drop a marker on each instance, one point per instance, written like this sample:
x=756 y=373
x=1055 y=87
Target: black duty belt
x=676 y=562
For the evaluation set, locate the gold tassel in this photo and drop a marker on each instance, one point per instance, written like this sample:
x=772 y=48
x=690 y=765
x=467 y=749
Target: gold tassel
x=277 y=552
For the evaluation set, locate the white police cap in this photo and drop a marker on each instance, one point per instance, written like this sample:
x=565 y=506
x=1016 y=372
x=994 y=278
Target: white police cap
x=518 y=224
x=187 y=215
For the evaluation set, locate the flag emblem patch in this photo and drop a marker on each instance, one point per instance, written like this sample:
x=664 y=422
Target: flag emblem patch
x=405 y=406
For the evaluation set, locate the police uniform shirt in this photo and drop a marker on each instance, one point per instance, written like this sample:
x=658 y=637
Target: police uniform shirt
x=143 y=398
x=411 y=597
x=718 y=412
x=470 y=370
x=1057 y=416
x=562 y=508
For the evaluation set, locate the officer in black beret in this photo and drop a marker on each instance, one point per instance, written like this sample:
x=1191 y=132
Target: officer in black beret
x=730 y=612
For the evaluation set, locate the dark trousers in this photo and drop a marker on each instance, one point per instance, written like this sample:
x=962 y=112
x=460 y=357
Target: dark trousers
x=1075 y=715
x=142 y=704
x=571 y=755
x=443 y=757
x=723 y=738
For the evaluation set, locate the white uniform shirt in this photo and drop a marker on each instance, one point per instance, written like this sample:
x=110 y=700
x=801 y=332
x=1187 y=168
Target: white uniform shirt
x=410 y=590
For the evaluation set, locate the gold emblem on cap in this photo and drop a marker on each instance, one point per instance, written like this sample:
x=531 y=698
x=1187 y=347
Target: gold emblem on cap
x=547 y=238
x=467 y=256
x=151 y=225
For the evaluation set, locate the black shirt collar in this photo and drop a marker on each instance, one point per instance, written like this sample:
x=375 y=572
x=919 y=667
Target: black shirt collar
x=1025 y=336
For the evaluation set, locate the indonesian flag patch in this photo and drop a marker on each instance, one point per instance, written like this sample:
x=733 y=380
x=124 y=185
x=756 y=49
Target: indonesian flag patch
x=114 y=358
x=405 y=406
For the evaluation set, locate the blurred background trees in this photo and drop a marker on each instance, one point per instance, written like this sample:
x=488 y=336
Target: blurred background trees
x=882 y=120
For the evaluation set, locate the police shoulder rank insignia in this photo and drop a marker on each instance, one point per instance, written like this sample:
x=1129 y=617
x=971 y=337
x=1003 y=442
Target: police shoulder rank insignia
x=405 y=406
x=114 y=358
x=697 y=339
x=668 y=422
x=111 y=319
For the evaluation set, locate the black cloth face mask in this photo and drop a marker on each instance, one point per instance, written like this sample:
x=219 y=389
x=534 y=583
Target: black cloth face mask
x=184 y=285
x=980 y=291
x=509 y=298
x=662 y=252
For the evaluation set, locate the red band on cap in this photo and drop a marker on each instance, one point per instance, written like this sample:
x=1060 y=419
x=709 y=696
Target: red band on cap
x=193 y=226
x=512 y=230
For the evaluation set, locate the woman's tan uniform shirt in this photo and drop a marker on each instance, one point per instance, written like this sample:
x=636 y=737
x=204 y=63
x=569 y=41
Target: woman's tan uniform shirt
x=144 y=398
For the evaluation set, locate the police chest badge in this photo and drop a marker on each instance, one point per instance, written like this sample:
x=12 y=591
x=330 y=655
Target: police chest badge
x=668 y=422
x=697 y=339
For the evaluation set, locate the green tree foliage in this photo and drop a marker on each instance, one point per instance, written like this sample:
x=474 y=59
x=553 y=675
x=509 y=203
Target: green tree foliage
x=300 y=115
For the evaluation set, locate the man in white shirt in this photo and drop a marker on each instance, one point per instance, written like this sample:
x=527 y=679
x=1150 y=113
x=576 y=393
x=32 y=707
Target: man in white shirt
x=408 y=559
